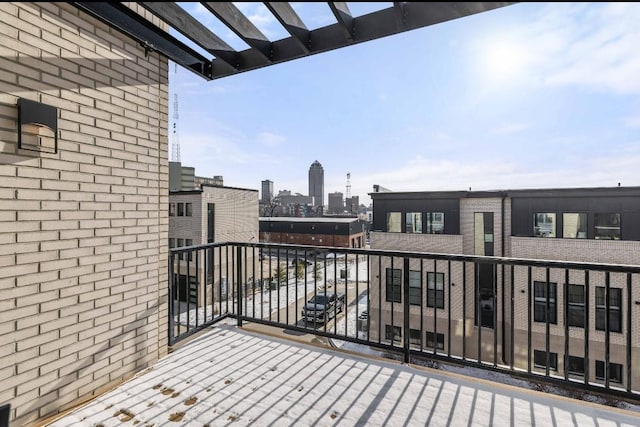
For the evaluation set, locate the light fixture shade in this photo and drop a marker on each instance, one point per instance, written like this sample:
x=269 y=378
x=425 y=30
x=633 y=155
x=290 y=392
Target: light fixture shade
x=37 y=126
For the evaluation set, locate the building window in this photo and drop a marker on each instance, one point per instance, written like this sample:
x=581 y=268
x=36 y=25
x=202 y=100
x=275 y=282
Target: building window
x=435 y=290
x=394 y=285
x=179 y=244
x=540 y=301
x=189 y=242
x=607 y=226
x=574 y=225
x=544 y=225
x=575 y=365
x=615 y=314
x=413 y=222
x=393 y=333
x=540 y=360
x=615 y=371
x=575 y=305
x=415 y=337
x=394 y=222
x=435 y=222
x=415 y=288
x=188 y=209
x=435 y=340
x=172 y=209
x=180 y=209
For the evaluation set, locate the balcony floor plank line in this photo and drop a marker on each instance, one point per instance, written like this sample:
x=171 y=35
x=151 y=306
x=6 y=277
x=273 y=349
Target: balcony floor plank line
x=231 y=376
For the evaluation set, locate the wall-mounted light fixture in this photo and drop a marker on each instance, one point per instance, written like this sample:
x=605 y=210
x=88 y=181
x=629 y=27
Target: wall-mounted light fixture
x=37 y=126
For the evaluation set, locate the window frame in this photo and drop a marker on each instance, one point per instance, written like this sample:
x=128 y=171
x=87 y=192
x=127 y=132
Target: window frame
x=392 y=221
x=435 y=296
x=537 y=224
x=415 y=225
x=439 y=340
x=393 y=289
x=395 y=332
x=576 y=359
x=582 y=225
x=553 y=360
x=573 y=306
x=413 y=288
x=597 y=225
x=432 y=222
x=180 y=211
x=600 y=371
x=415 y=337
x=541 y=300
x=600 y=303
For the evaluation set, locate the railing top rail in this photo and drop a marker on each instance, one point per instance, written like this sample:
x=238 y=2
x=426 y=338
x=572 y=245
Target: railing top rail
x=527 y=262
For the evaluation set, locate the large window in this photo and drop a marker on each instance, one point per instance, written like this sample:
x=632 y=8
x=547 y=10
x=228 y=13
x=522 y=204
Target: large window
x=575 y=365
x=172 y=209
x=540 y=360
x=615 y=314
x=413 y=222
x=544 y=225
x=574 y=225
x=415 y=337
x=394 y=224
x=540 y=302
x=435 y=290
x=435 y=223
x=575 y=305
x=615 y=371
x=607 y=226
x=435 y=340
x=392 y=333
x=394 y=285
x=415 y=287
x=180 y=209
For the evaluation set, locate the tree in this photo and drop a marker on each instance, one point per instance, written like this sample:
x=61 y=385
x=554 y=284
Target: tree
x=300 y=270
x=280 y=274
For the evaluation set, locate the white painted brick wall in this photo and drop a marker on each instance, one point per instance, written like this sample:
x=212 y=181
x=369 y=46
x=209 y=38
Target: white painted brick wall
x=83 y=233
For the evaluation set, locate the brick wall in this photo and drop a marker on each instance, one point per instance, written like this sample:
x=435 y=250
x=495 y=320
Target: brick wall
x=83 y=233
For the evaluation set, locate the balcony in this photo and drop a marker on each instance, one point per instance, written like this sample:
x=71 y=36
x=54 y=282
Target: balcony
x=243 y=353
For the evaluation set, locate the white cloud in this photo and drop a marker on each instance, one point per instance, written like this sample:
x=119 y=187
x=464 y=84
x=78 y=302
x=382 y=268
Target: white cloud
x=506 y=128
x=270 y=140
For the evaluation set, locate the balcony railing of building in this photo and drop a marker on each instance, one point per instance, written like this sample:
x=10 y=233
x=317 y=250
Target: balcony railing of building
x=566 y=323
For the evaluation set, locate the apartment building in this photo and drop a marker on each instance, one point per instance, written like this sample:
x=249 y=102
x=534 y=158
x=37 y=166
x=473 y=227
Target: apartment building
x=338 y=232
x=211 y=214
x=589 y=225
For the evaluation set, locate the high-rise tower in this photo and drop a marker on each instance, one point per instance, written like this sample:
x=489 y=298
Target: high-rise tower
x=316 y=183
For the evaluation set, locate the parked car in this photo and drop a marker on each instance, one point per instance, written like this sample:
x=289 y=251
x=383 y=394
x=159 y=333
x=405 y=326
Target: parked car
x=323 y=307
x=301 y=261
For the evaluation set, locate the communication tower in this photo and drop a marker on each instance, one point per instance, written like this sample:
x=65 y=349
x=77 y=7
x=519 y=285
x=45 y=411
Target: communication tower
x=348 y=195
x=175 y=140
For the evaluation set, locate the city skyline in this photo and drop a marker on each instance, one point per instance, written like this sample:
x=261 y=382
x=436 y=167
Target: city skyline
x=532 y=95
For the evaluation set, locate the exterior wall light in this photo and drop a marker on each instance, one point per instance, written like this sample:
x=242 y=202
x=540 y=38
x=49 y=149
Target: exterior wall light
x=37 y=126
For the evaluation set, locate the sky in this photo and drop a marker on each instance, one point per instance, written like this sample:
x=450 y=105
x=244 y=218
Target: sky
x=532 y=95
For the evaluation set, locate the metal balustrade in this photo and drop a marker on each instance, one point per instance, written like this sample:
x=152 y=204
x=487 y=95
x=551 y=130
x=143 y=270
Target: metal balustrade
x=566 y=323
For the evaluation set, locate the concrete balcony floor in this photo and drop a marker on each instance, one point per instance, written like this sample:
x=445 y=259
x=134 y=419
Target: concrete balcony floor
x=232 y=376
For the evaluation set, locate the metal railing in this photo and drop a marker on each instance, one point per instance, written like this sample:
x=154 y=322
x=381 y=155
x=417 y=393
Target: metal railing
x=566 y=323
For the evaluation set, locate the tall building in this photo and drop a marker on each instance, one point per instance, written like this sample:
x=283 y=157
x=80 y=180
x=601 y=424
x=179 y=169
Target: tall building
x=336 y=203
x=316 y=183
x=267 y=191
x=181 y=178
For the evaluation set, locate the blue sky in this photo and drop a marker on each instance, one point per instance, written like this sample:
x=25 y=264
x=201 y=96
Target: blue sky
x=533 y=95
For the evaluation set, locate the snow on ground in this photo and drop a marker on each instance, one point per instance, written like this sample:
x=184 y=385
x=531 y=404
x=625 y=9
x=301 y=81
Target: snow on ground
x=268 y=302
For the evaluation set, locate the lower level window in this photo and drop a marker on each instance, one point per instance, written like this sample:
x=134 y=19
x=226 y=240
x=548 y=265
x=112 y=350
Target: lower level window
x=435 y=340
x=393 y=333
x=415 y=337
x=540 y=360
x=615 y=371
x=575 y=365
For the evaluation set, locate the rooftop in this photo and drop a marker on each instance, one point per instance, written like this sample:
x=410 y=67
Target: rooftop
x=309 y=219
x=236 y=376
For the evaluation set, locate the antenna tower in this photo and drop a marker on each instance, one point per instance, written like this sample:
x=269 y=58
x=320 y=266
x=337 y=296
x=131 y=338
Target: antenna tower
x=348 y=195
x=175 y=142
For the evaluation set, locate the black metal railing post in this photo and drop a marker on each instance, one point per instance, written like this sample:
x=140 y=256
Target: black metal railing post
x=406 y=342
x=171 y=298
x=239 y=284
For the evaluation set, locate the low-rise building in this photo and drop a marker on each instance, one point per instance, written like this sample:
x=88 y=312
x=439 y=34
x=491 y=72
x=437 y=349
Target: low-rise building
x=338 y=232
x=589 y=225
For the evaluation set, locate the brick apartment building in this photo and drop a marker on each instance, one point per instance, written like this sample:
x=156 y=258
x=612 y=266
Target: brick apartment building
x=339 y=232
x=598 y=225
